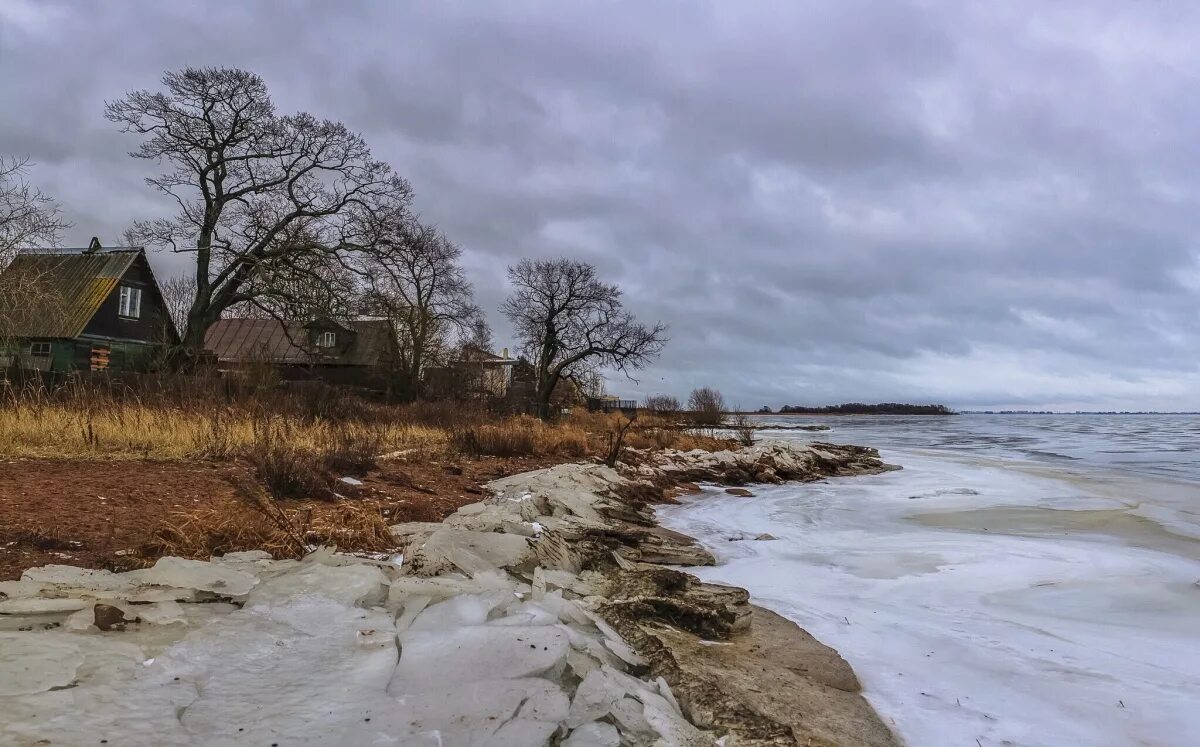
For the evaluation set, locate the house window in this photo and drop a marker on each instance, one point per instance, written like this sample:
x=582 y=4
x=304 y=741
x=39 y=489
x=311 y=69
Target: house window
x=39 y=350
x=131 y=302
x=326 y=339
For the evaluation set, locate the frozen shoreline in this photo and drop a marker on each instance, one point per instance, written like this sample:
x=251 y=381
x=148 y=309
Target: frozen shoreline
x=966 y=611
x=544 y=612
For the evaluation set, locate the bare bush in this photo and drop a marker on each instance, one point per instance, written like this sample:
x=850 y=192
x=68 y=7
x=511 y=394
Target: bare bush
x=616 y=441
x=743 y=429
x=706 y=406
x=663 y=405
x=284 y=467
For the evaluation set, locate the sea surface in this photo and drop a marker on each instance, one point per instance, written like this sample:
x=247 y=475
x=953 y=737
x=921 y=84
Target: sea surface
x=1023 y=580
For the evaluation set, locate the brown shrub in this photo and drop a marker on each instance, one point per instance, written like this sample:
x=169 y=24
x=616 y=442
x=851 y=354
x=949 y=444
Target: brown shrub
x=354 y=448
x=505 y=440
x=254 y=521
x=352 y=527
x=219 y=528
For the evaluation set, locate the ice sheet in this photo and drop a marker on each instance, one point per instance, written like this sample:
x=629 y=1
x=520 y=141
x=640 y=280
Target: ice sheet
x=1062 y=637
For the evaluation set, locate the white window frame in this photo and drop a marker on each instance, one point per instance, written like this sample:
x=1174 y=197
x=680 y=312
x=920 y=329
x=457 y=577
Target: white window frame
x=130 y=303
x=326 y=339
x=35 y=347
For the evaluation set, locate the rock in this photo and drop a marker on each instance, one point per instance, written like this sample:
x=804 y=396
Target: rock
x=108 y=617
x=740 y=492
x=766 y=536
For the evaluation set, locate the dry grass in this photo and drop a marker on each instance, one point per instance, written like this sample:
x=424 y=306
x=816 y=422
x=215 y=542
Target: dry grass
x=522 y=436
x=255 y=521
x=131 y=430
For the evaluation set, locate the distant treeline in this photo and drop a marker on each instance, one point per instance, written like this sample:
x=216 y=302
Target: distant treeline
x=858 y=408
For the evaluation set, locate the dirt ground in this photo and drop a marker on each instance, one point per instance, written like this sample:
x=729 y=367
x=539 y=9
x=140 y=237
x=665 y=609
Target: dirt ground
x=95 y=513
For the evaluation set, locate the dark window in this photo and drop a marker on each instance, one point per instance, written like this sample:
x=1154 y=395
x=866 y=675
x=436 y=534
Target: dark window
x=39 y=349
x=326 y=339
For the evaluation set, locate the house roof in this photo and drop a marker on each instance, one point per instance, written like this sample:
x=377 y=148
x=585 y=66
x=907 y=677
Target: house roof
x=476 y=354
x=76 y=286
x=241 y=340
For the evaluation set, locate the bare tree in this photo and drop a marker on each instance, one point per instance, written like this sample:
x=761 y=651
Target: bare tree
x=567 y=321
x=257 y=193
x=178 y=292
x=28 y=217
x=417 y=280
x=707 y=406
x=477 y=334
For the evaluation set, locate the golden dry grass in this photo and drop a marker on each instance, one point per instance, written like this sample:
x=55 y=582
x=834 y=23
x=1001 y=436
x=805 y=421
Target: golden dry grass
x=523 y=436
x=129 y=430
x=91 y=425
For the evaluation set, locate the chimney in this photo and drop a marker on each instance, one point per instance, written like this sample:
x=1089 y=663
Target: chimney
x=504 y=354
x=93 y=246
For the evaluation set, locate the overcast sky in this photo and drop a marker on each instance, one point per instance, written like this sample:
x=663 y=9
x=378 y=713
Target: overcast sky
x=982 y=204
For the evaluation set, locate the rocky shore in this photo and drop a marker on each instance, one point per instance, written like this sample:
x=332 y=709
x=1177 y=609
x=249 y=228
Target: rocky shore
x=544 y=614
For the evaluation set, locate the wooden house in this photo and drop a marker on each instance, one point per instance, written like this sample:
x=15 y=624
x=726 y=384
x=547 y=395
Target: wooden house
x=358 y=352
x=95 y=309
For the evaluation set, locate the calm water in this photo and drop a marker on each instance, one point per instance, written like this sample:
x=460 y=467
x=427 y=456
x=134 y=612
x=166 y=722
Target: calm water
x=1165 y=446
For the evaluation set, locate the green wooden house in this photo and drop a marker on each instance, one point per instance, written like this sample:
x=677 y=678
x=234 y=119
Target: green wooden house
x=95 y=309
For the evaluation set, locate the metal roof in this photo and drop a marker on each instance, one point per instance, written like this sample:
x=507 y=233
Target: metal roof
x=70 y=289
x=241 y=340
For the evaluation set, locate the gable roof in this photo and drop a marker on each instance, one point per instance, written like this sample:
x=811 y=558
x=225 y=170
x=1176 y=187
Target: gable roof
x=240 y=340
x=76 y=285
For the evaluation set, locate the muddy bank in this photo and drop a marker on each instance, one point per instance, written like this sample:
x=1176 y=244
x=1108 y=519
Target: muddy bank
x=540 y=615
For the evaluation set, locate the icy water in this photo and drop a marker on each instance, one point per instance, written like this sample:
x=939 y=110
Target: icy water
x=1024 y=580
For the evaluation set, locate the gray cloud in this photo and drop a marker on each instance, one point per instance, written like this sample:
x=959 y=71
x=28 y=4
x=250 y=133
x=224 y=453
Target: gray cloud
x=979 y=204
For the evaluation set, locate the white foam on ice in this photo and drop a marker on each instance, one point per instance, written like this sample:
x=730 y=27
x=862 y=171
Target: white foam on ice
x=1005 y=634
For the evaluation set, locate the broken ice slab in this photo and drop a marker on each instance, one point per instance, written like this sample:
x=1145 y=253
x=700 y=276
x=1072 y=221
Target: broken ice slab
x=41 y=606
x=80 y=578
x=593 y=734
x=363 y=585
x=457 y=611
x=471 y=552
x=37 y=663
x=521 y=712
x=594 y=699
x=460 y=655
x=195 y=574
x=448 y=585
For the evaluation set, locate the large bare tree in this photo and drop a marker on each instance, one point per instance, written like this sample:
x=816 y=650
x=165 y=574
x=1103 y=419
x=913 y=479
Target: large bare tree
x=258 y=194
x=569 y=322
x=416 y=279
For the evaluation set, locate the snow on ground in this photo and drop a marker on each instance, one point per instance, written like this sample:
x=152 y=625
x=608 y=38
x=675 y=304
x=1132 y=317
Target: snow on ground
x=1010 y=626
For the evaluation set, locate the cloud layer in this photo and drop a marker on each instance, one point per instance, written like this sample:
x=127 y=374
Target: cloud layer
x=980 y=204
